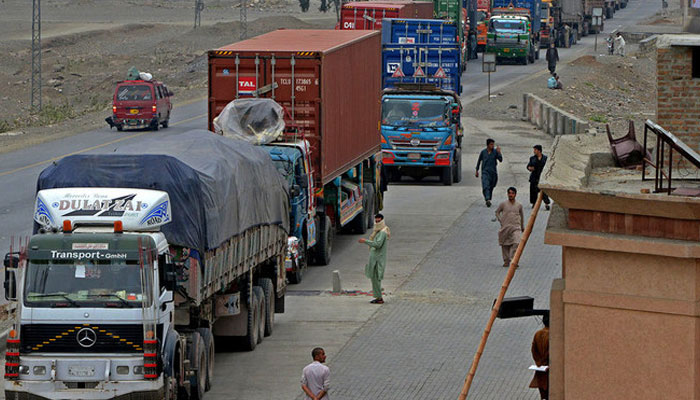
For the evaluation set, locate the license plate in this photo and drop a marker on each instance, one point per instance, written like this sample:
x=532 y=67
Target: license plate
x=504 y=50
x=413 y=156
x=81 y=372
x=134 y=111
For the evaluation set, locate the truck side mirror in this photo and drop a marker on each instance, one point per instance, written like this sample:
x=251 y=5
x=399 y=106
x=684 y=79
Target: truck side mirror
x=170 y=276
x=455 y=114
x=11 y=263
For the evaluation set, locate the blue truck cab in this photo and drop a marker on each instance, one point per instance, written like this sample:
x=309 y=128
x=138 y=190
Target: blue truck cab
x=421 y=133
x=292 y=161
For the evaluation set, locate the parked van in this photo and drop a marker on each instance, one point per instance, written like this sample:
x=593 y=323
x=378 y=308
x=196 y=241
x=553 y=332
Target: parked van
x=141 y=104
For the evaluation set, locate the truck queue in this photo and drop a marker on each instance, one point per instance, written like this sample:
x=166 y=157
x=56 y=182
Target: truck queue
x=143 y=258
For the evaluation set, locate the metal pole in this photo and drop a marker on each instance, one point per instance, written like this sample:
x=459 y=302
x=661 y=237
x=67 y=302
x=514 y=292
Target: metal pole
x=489 y=86
x=501 y=295
x=198 y=8
x=595 y=49
x=36 y=56
x=244 y=19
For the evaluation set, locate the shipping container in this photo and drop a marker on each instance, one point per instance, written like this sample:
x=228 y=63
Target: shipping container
x=483 y=4
x=532 y=8
x=420 y=31
x=422 y=64
x=361 y=15
x=328 y=81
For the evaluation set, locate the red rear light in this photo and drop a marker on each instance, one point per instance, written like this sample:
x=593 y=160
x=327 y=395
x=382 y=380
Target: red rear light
x=154 y=108
x=114 y=109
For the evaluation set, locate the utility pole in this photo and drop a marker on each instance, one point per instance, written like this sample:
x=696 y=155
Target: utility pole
x=244 y=19
x=36 y=56
x=198 y=8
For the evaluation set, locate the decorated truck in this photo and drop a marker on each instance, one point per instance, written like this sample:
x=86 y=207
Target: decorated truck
x=328 y=84
x=370 y=14
x=140 y=258
x=514 y=30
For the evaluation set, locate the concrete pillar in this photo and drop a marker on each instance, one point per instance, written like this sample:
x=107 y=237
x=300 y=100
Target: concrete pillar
x=525 y=97
x=556 y=340
x=337 y=288
x=561 y=123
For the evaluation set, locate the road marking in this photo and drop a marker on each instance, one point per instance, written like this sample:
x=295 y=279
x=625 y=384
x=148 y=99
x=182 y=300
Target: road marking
x=121 y=139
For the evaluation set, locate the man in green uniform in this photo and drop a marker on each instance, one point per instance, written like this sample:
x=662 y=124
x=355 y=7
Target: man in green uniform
x=374 y=269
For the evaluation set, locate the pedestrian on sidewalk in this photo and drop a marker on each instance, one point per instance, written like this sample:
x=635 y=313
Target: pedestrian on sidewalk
x=510 y=215
x=540 y=353
x=620 y=44
x=374 y=270
x=552 y=58
x=488 y=160
x=535 y=166
x=315 y=378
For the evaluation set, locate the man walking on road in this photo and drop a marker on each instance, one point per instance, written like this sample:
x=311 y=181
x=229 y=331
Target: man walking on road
x=315 y=379
x=540 y=353
x=552 y=58
x=510 y=215
x=374 y=270
x=488 y=160
x=535 y=166
x=620 y=44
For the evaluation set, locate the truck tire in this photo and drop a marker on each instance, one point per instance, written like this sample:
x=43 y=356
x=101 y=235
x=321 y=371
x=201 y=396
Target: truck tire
x=457 y=173
x=210 y=350
x=322 y=253
x=120 y=128
x=537 y=52
x=155 y=126
x=269 y=292
x=166 y=122
x=524 y=60
x=371 y=204
x=297 y=274
x=198 y=361
x=251 y=337
x=260 y=294
x=447 y=176
x=359 y=223
x=531 y=57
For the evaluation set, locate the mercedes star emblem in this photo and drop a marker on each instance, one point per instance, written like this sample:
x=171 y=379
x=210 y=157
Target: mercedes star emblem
x=86 y=337
x=415 y=142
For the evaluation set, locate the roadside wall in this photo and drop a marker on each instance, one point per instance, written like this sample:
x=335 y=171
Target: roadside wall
x=550 y=119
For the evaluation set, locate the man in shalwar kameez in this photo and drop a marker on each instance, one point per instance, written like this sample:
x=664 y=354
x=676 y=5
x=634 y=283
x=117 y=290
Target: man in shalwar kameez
x=510 y=215
x=374 y=270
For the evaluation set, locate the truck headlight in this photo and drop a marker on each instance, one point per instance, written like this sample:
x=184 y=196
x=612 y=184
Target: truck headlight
x=138 y=370
x=24 y=370
x=39 y=370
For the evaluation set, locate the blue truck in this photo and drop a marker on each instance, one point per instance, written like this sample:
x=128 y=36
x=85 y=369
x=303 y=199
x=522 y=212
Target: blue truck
x=420 y=126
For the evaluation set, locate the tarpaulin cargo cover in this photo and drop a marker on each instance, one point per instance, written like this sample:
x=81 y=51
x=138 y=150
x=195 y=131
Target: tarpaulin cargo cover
x=329 y=81
x=218 y=187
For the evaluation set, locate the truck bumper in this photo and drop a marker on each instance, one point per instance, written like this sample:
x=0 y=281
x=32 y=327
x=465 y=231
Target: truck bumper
x=121 y=390
x=135 y=122
x=408 y=158
x=509 y=52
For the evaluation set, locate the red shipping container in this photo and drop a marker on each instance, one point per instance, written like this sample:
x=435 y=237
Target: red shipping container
x=369 y=14
x=328 y=80
x=483 y=4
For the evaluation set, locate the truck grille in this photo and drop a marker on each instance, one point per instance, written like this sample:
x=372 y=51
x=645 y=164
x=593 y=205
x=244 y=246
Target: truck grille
x=101 y=338
x=420 y=145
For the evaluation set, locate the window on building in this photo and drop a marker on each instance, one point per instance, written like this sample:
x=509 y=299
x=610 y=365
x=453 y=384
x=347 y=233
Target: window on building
x=696 y=62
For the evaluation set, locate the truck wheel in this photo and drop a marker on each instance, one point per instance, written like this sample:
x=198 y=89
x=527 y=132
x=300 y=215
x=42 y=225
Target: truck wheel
x=371 y=200
x=166 y=122
x=155 y=126
x=457 y=174
x=324 y=245
x=537 y=53
x=359 y=223
x=120 y=128
x=209 y=349
x=261 y=312
x=531 y=57
x=198 y=356
x=251 y=337
x=524 y=60
x=447 y=176
x=269 y=292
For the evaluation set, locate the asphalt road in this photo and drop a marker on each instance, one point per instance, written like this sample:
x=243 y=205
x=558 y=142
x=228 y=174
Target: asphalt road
x=19 y=170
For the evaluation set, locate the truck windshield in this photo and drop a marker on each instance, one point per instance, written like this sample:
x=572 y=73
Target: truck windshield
x=134 y=92
x=103 y=283
x=508 y=26
x=481 y=16
x=409 y=112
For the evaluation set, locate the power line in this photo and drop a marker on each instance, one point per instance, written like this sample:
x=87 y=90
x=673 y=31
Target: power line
x=244 y=19
x=36 y=55
x=198 y=8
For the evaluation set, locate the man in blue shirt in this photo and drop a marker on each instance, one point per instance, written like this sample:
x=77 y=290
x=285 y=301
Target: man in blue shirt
x=488 y=160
